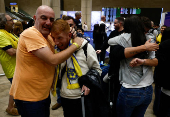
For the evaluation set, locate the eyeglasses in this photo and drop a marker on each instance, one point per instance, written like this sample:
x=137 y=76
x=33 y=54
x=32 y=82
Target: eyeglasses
x=10 y=20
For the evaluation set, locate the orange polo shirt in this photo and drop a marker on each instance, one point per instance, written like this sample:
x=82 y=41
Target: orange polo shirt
x=33 y=77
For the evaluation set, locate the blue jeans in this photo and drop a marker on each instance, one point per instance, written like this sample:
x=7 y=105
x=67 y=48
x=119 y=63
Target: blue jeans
x=34 y=109
x=58 y=95
x=133 y=102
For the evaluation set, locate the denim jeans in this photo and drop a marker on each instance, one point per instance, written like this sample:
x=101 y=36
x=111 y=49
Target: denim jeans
x=34 y=109
x=133 y=102
x=58 y=95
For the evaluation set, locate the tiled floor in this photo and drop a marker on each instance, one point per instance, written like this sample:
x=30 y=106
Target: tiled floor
x=4 y=94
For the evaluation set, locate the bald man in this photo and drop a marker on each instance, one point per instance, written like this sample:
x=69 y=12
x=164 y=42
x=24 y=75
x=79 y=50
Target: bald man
x=35 y=65
x=103 y=19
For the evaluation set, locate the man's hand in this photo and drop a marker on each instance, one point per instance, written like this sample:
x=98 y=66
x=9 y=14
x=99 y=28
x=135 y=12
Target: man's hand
x=137 y=62
x=85 y=89
x=151 y=46
x=98 y=51
x=78 y=40
x=73 y=33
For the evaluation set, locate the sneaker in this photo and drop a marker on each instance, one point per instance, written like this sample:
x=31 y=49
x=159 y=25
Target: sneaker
x=56 y=106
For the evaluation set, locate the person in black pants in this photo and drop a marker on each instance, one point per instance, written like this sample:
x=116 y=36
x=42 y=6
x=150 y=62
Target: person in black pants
x=114 y=62
x=101 y=37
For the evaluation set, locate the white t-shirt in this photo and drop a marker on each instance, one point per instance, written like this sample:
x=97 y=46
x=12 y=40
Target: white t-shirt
x=85 y=27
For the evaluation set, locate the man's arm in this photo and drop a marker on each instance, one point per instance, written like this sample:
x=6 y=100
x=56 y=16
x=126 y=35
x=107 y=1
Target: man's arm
x=120 y=52
x=105 y=44
x=11 y=51
x=147 y=62
x=54 y=59
x=131 y=51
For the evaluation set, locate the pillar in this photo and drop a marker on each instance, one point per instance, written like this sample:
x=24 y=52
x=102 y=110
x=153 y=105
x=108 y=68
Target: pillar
x=55 y=5
x=56 y=8
x=46 y=2
x=2 y=6
x=86 y=8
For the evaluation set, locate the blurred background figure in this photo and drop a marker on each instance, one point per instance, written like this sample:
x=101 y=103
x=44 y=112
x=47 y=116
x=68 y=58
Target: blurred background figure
x=85 y=27
x=80 y=30
x=8 y=48
x=77 y=20
x=18 y=28
x=101 y=36
x=152 y=24
x=111 y=27
x=157 y=27
x=30 y=23
x=152 y=28
x=63 y=16
x=95 y=32
x=24 y=24
x=159 y=36
x=103 y=19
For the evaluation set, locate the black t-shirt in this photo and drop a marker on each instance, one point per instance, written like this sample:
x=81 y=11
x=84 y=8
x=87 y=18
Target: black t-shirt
x=112 y=34
x=78 y=23
x=116 y=54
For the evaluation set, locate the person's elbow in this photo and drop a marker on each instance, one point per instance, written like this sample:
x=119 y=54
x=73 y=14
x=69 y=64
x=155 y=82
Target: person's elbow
x=11 y=52
x=155 y=62
x=53 y=62
x=48 y=56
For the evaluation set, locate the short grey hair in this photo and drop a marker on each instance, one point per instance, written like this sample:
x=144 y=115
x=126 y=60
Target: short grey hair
x=77 y=13
x=3 y=20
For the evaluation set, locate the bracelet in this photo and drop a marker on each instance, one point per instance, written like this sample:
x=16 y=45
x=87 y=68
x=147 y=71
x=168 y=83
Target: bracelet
x=76 y=45
x=146 y=48
x=143 y=62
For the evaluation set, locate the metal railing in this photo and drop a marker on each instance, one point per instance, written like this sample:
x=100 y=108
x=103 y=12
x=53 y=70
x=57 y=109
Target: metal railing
x=20 y=15
x=2 y=74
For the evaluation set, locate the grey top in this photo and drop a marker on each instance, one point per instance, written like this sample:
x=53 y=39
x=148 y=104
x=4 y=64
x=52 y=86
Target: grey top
x=127 y=74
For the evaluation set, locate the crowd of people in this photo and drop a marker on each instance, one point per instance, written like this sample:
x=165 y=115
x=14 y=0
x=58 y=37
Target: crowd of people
x=52 y=55
x=132 y=78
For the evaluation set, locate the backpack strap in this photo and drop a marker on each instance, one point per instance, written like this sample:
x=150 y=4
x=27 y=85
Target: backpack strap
x=84 y=49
